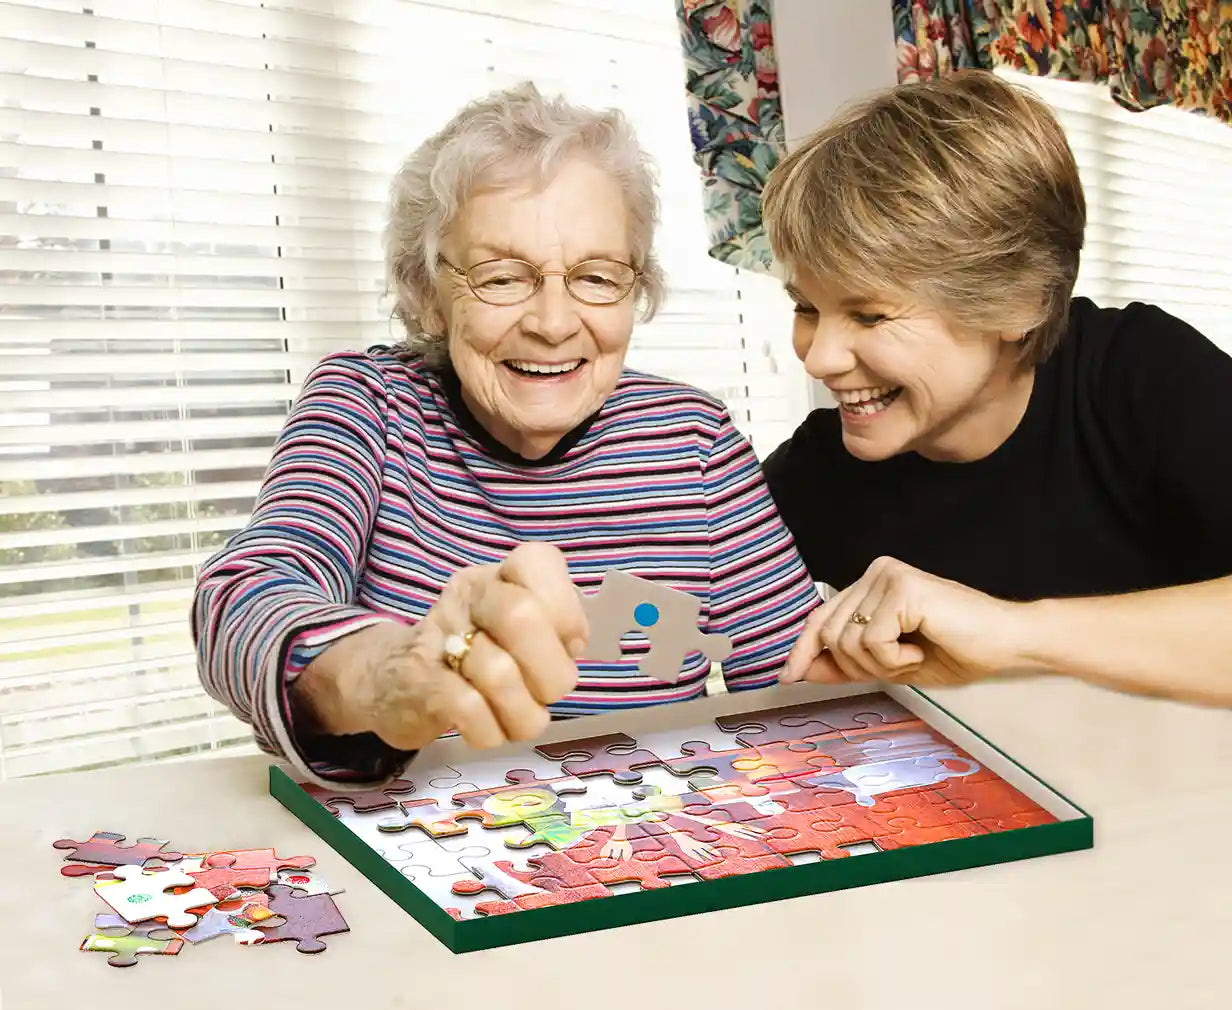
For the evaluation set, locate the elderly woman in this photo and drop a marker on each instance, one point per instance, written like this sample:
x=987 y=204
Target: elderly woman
x=1015 y=480
x=430 y=511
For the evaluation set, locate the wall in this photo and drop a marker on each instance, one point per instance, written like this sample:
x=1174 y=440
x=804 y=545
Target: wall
x=829 y=52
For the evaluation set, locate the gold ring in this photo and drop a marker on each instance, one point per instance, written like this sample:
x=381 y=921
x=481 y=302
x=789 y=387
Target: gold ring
x=454 y=650
x=858 y=618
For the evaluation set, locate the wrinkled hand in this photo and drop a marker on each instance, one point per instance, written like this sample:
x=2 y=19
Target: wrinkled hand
x=529 y=628
x=921 y=629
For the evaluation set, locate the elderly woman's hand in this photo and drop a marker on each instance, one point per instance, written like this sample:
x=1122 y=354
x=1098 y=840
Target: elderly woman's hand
x=526 y=627
x=899 y=623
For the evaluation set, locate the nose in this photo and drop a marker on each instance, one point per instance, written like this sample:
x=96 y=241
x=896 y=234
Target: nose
x=829 y=351
x=551 y=313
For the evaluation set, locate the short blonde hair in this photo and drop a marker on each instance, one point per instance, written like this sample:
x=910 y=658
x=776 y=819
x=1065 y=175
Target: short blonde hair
x=510 y=137
x=962 y=191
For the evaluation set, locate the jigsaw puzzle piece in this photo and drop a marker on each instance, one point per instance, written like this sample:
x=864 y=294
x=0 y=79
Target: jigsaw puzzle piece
x=104 y=849
x=306 y=881
x=500 y=877
x=256 y=859
x=610 y=863
x=551 y=879
x=360 y=800
x=556 y=830
x=614 y=754
x=426 y=815
x=308 y=917
x=796 y=723
x=223 y=878
x=993 y=803
x=137 y=895
x=238 y=924
x=517 y=803
x=667 y=617
x=84 y=870
x=426 y=857
x=125 y=940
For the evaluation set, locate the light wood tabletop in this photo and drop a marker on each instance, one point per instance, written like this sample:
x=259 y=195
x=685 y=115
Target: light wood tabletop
x=1142 y=920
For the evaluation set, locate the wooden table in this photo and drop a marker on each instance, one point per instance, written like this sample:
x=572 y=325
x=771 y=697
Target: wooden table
x=1142 y=920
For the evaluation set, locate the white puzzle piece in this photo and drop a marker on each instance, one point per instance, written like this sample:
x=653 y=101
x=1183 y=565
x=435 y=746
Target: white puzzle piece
x=137 y=895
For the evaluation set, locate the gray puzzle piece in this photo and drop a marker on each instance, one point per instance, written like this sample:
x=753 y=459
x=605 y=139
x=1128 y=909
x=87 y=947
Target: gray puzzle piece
x=667 y=617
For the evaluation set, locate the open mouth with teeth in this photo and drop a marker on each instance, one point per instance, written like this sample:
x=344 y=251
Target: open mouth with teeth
x=542 y=369
x=864 y=402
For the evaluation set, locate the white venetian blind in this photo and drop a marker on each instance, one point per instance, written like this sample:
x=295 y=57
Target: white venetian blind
x=1159 y=204
x=191 y=194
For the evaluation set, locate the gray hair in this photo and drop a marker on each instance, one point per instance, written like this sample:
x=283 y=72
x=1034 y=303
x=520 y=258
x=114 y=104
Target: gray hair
x=505 y=138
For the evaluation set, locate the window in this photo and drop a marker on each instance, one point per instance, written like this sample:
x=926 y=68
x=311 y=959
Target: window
x=191 y=196
x=1159 y=212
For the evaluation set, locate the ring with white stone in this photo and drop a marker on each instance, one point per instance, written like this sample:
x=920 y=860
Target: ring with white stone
x=454 y=650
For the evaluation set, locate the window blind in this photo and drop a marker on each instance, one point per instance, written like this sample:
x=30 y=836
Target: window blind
x=1159 y=210
x=191 y=195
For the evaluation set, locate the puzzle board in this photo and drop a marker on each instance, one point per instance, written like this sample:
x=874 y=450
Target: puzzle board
x=680 y=809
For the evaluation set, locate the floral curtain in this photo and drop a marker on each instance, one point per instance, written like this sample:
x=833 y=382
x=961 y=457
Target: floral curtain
x=735 y=119
x=1149 y=52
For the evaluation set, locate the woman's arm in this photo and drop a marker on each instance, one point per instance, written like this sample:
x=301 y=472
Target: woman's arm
x=280 y=591
x=921 y=629
x=1174 y=642
x=760 y=590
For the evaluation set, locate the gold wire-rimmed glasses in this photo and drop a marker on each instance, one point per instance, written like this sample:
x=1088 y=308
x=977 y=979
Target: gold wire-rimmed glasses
x=510 y=281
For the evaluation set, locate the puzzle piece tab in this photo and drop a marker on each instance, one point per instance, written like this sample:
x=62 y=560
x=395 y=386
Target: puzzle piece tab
x=667 y=617
x=104 y=849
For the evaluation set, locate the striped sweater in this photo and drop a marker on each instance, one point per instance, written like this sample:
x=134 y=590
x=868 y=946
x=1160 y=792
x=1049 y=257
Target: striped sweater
x=382 y=484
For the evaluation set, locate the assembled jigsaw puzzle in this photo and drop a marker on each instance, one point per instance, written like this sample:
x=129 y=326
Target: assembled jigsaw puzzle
x=830 y=793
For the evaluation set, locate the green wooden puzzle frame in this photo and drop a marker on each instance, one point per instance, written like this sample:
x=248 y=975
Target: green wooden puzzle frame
x=1072 y=832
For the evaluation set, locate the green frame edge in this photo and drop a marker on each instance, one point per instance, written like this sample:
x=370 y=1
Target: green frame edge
x=689 y=899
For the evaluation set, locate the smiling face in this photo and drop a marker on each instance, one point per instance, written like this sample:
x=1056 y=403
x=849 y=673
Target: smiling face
x=906 y=379
x=531 y=372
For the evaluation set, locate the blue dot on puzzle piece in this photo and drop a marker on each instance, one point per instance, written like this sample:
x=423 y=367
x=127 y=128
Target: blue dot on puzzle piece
x=646 y=615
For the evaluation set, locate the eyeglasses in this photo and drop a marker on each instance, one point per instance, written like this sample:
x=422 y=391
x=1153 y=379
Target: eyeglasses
x=509 y=281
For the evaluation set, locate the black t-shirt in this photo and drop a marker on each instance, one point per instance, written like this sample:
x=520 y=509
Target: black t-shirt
x=1118 y=478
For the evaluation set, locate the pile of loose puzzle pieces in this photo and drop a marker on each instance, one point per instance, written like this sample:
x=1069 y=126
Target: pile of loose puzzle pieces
x=158 y=899
x=752 y=792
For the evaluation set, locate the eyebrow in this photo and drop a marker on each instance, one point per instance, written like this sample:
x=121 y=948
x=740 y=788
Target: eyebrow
x=508 y=251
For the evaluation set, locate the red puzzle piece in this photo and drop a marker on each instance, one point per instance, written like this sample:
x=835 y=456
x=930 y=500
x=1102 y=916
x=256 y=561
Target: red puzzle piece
x=795 y=723
x=104 y=849
x=363 y=800
x=220 y=876
x=255 y=859
x=613 y=754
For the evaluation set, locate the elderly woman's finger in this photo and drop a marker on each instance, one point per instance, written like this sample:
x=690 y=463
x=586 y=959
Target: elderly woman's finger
x=458 y=705
x=500 y=680
x=541 y=568
x=518 y=622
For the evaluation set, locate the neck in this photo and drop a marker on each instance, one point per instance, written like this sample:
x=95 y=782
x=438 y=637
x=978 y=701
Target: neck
x=984 y=427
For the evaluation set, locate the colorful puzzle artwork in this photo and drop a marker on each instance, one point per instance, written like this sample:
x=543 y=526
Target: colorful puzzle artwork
x=592 y=817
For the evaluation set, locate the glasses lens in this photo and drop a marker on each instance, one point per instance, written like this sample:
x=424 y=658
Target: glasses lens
x=600 y=281
x=503 y=282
